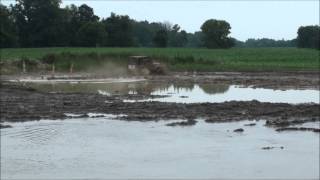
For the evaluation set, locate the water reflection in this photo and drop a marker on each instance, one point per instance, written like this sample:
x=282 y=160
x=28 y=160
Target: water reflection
x=214 y=88
x=186 y=92
x=124 y=88
x=216 y=94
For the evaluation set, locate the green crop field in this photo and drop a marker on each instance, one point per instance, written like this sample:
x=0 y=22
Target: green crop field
x=180 y=59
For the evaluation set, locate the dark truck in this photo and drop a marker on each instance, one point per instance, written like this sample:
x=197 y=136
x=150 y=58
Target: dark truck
x=144 y=65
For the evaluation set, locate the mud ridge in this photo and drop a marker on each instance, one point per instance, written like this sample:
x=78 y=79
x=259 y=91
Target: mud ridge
x=299 y=129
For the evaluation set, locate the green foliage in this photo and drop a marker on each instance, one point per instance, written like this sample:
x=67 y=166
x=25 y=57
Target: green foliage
x=309 y=37
x=182 y=59
x=177 y=38
x=216 y=34
x=81 y=21
x=38 y=22
x=265 y=42
x=161 y=38
x=119 y=29
x=91 y=34
x=43 y=23
x=8 y=32
x=143 y=33
x=195 y=39
x=85 y=14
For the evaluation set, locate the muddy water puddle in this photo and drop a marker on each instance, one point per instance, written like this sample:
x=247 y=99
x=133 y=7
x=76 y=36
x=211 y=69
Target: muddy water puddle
x=199 y=94
x=184 y=93
x=105 y=148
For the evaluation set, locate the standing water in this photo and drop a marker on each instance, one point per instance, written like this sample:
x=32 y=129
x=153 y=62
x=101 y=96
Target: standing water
x=105 y=148
x=186 y=93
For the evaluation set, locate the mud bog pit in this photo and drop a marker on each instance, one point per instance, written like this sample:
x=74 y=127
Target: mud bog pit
x=105 y=148
x=182 y=93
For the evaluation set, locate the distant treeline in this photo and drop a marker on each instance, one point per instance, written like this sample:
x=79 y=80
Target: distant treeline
x=42 y=23
x=265 y=42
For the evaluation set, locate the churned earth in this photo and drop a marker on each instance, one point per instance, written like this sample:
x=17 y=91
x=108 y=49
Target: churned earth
x=20 y=102
x=181 y=125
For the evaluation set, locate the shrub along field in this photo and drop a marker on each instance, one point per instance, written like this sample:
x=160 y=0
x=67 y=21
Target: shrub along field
x=179 y=59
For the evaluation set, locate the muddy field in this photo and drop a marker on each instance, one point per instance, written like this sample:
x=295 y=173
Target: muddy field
x=21 y=103
x=85 y=125
x=272 y=80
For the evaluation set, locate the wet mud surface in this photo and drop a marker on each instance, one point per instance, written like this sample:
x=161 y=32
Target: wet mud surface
x=183 y=123
x=271 y=80
x=78 y=128
x=24 y=104
x=298 y=129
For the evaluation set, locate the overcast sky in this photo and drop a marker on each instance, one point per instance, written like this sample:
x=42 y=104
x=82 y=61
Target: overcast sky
x=248 y=19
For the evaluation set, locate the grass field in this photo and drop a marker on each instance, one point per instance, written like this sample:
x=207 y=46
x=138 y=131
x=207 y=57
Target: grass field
x=235 y=59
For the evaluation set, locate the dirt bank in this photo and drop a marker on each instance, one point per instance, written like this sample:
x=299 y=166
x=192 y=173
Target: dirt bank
x=25 y=104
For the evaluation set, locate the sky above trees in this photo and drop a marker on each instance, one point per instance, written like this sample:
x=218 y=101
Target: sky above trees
x=249 y=19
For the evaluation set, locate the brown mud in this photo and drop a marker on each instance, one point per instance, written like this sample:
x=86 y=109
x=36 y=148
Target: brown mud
x=240 y=130
x=20 y=103
x=298 y=129
x=189 y=122
x=271 y=147
x=271 y=80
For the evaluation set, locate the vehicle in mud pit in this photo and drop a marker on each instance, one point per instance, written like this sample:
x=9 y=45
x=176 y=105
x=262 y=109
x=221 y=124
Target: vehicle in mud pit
x=144 y=65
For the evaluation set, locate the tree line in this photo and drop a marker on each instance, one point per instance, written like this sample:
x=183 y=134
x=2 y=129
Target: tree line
x=266 y=42
x=308 y=37
x=43 y=23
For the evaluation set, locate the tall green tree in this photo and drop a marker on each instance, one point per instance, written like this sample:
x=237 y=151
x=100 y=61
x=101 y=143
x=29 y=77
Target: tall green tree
x=309 y=37
x=91 y=34
x=176 y=37
x=38 y=22
x=194 y=39
x=161 y=38
x=119 y=30
x=86 y=14
x=215 y=34
x=81 y=19
x=182 y=39
x=143 y=32
x=8 y=34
